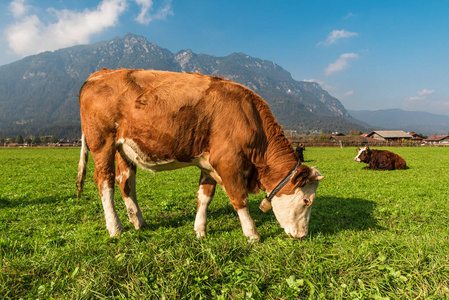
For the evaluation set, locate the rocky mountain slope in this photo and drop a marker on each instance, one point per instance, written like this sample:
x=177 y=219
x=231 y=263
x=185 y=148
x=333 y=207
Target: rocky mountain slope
x=39 y=94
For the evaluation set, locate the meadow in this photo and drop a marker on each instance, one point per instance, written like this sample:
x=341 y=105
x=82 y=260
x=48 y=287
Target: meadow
x=372 y=235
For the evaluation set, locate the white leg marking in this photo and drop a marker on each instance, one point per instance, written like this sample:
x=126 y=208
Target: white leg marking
x=133 y=209
x=123 y=176
x=113 y=223
x=201 y=215
x=248 y=226
x=134 y=213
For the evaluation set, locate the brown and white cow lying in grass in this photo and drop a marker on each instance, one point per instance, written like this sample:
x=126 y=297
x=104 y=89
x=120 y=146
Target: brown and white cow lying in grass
x=380 y=159
x=163 y=121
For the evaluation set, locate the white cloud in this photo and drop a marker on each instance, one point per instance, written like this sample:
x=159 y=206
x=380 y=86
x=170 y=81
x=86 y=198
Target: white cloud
x=349 y=15
x=18 y=8
x=415 y=98
x=421 y=95
x=30 y=35
x=349 y=93
x=340 y=64
x=320 y=82
x=425 y=92
x=336 y=35
x=147 y=5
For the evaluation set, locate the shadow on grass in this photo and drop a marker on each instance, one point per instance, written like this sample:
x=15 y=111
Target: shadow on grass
x=175 y=218
x=6 y=203
x=22 y=202
x=407 y=167
x=331 y=215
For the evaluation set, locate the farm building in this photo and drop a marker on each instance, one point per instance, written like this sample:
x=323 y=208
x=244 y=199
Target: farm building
x=438 y=139
x=416 y=137
x=390 y=135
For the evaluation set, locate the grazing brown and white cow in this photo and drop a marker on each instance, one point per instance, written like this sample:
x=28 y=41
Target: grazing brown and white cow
x=380 y=159
x=161 y=120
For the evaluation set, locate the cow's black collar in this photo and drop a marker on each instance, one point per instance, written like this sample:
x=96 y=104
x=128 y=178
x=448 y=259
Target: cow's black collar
x=265 y=205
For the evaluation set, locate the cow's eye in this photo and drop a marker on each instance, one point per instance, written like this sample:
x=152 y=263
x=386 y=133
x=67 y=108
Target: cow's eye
x=307 y=202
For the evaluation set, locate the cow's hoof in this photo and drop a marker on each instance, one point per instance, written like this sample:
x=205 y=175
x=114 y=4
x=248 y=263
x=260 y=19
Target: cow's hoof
x=139 y=225
x=200 y=234
x=116 y=231
x=254 y=239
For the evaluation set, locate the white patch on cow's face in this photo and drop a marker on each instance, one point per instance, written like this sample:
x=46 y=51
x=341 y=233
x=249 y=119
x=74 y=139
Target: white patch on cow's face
x=293 y=211
x=357 y=158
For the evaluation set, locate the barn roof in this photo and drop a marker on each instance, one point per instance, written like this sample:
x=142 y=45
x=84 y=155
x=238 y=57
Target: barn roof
x=416 y=136
x=436 y=138
x=391 y=134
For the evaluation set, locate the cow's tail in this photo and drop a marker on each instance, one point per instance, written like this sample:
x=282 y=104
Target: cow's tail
x=82 y=166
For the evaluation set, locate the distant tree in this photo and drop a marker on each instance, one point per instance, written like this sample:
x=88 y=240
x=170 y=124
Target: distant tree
x=28 y=140
x=36 y=140
x=19 y=139
x=44 y=139
x=2 y=140
x=354 y=132
x=322 y=137
x=53 y=140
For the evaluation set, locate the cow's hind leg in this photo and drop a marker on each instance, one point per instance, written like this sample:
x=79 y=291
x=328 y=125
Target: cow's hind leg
x=205 y=193
x=104 y=178
x=126 y=180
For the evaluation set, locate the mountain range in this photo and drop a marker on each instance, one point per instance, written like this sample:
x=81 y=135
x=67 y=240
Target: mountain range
x=39 y=93
x=417 y=121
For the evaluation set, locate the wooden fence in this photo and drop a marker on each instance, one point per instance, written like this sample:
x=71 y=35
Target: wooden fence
x=359 y=143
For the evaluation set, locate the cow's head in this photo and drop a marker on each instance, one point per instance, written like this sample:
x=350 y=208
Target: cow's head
x=292 y=206
x=363 y=155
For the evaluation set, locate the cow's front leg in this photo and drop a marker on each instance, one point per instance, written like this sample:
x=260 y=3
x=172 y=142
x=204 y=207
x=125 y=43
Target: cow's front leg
x=126 y=180
x=248 y=225
x=205 y=193
x=235 y=183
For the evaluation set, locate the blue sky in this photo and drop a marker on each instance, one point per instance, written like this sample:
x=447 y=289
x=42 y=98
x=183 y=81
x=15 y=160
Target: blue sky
x=369 y=54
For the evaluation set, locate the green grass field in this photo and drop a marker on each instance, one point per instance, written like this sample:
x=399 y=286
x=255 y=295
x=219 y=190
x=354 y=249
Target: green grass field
x=372 y=235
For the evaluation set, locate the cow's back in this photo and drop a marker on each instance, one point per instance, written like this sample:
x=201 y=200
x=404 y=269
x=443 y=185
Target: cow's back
x=399 y=162
x=386 y=160
x=170 y=115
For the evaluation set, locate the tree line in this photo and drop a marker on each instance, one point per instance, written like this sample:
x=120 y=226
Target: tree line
x=29 y=140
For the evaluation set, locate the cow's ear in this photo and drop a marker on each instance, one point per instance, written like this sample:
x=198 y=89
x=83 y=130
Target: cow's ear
x=316 y=177
x=302 y=174
x=358 y=149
